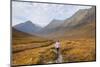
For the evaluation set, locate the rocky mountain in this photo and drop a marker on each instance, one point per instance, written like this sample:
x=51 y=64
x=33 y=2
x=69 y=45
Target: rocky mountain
x=84 y=24
x=51 y=27
x=81 y=24
x=28 y=27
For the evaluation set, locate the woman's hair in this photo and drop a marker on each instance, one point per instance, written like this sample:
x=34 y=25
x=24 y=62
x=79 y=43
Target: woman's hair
x=57 y=40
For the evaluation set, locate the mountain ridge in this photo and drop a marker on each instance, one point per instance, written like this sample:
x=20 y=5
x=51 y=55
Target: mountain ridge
x=82 y=20
x=27 y=27
x=78 y=25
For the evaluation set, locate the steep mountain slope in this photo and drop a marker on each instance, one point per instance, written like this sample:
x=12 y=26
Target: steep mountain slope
x=81 y=24
x=85 y=27
x=78 y=16
x=27 y=27
x=51 y=27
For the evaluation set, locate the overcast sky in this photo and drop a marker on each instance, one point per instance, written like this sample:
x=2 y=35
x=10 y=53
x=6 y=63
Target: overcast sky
x=42 y=13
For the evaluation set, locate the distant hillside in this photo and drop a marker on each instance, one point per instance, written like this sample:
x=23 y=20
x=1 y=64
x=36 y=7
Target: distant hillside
x=80 y=25
x=27 y=27
x=51 y=27
x=16 y=34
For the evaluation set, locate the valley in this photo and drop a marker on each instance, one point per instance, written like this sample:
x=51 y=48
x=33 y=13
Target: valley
x=35 y=45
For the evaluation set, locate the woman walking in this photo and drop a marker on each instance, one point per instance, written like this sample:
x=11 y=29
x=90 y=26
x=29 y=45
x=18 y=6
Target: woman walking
x=57 y=47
